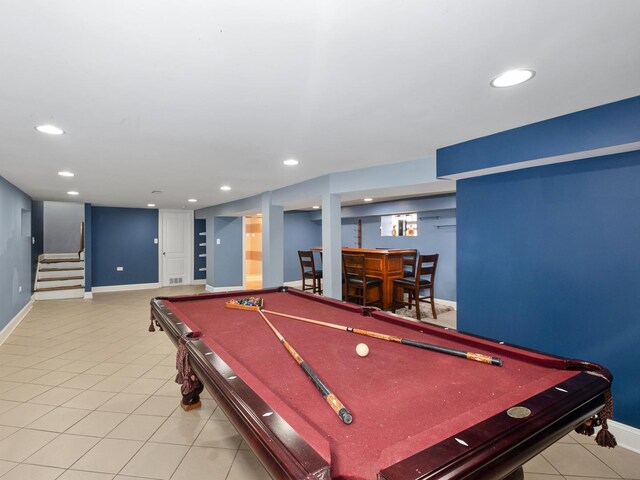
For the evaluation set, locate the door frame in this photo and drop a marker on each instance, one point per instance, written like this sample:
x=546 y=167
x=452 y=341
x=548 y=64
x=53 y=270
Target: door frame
x=188 y=235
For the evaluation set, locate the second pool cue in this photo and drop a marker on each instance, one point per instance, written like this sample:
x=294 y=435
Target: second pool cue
x=478 y=357
x=331 y=399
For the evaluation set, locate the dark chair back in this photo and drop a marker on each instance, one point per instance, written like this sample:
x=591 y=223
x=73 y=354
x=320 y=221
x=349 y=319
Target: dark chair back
x=426 y=270
x=310 y=272
x=409 y=263
x=353 y=267
x=306 y=262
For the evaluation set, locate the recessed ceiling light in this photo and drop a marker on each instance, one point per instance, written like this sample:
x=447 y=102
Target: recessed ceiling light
x=512 y=77
x=291 y=162
x=151 y=204
x=316 y=207
x=72 y=193
x=368 y=199
x=192 y=200
x=50 y=129
x=64 y=173
x=226 y=188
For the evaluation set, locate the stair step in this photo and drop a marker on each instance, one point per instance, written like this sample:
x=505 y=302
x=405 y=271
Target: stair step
x=60 y=260
x=51 y=289
x=59 y=279
x=50 y=269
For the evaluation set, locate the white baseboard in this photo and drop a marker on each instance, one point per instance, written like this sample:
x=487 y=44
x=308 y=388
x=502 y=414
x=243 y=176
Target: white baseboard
x=209 y=288
x=122 y=288
x=627 y=436
x=199 y=282
x=88 y=295
x=448 y=303
x=15 y=321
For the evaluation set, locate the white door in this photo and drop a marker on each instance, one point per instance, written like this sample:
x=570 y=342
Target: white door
x=176 y=248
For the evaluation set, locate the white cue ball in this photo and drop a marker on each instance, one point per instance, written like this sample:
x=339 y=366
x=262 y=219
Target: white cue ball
x=362 y=349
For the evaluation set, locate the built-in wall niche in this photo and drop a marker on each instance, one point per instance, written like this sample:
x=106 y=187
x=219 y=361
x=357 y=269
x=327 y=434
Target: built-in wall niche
x=25 y=223
x=401 y=225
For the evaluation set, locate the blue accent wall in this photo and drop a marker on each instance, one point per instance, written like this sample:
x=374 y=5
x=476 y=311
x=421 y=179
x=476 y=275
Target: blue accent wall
x=37 y=234
x=15 y=251
x=123 y=237
x=199 y=226
x=608 y=125
x=227 y=264
x=300 y=233
x=88 y=248
x=549 y=258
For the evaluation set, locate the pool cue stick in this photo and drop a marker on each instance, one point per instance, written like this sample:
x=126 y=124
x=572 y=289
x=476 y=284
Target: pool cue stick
x=478 y=357
x=331 y=399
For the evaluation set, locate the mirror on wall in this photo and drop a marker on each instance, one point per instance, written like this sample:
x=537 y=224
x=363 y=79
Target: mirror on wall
x=403 y=225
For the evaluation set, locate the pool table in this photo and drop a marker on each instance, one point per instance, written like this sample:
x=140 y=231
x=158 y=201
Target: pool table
x=417 y=413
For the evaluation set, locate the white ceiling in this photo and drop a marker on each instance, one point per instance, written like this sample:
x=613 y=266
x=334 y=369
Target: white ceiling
x=184 y=96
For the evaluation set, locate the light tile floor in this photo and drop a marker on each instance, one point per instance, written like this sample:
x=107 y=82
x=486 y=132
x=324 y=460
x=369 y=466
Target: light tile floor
x=87 y=393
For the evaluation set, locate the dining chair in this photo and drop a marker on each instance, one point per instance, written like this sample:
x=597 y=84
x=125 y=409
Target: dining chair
x=424 y=279
x=310 y=272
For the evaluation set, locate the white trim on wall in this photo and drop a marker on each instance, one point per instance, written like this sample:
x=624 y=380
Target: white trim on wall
x=627 y=436
x=209 y=288
x=15 y=321
x=200 y=282
x=122 y=288
x=449 y=303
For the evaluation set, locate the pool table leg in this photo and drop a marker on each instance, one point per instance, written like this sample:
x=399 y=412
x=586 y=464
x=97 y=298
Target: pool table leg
x=191 y=399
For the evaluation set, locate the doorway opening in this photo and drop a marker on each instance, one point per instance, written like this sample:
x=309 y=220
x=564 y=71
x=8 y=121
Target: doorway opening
x=253 y=252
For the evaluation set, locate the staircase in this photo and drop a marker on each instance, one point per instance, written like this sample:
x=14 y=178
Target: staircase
x=60 y=275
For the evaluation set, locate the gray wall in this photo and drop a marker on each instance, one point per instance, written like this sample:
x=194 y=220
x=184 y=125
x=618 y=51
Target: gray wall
x=62 y=226
x=15 y=251
x=436 y=234
x=300 y=233
x=227 y=265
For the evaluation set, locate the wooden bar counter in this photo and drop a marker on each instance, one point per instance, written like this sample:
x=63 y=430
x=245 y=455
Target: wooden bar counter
x=385 y=264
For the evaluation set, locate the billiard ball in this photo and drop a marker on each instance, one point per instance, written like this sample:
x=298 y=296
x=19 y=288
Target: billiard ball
x=362 y=350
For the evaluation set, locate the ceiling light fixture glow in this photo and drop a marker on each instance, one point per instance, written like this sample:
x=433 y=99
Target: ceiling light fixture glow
x=151 y=204
x=512 y=77
x=192 y=200
x=316 y=207
x=226 y=188
x=72 y=193
x=50 y=129
x=65 y=173
x=368 y=199
x=291 y=162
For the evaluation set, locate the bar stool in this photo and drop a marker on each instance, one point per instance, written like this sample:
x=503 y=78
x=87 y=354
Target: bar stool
x=356 y=280
x=423 y=280
x=310 y=272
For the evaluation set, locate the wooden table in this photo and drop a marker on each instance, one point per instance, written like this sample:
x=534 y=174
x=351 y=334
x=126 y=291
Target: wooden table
x=385 y=264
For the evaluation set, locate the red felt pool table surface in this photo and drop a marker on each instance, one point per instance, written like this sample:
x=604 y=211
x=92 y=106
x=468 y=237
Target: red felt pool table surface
x=403 y=399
